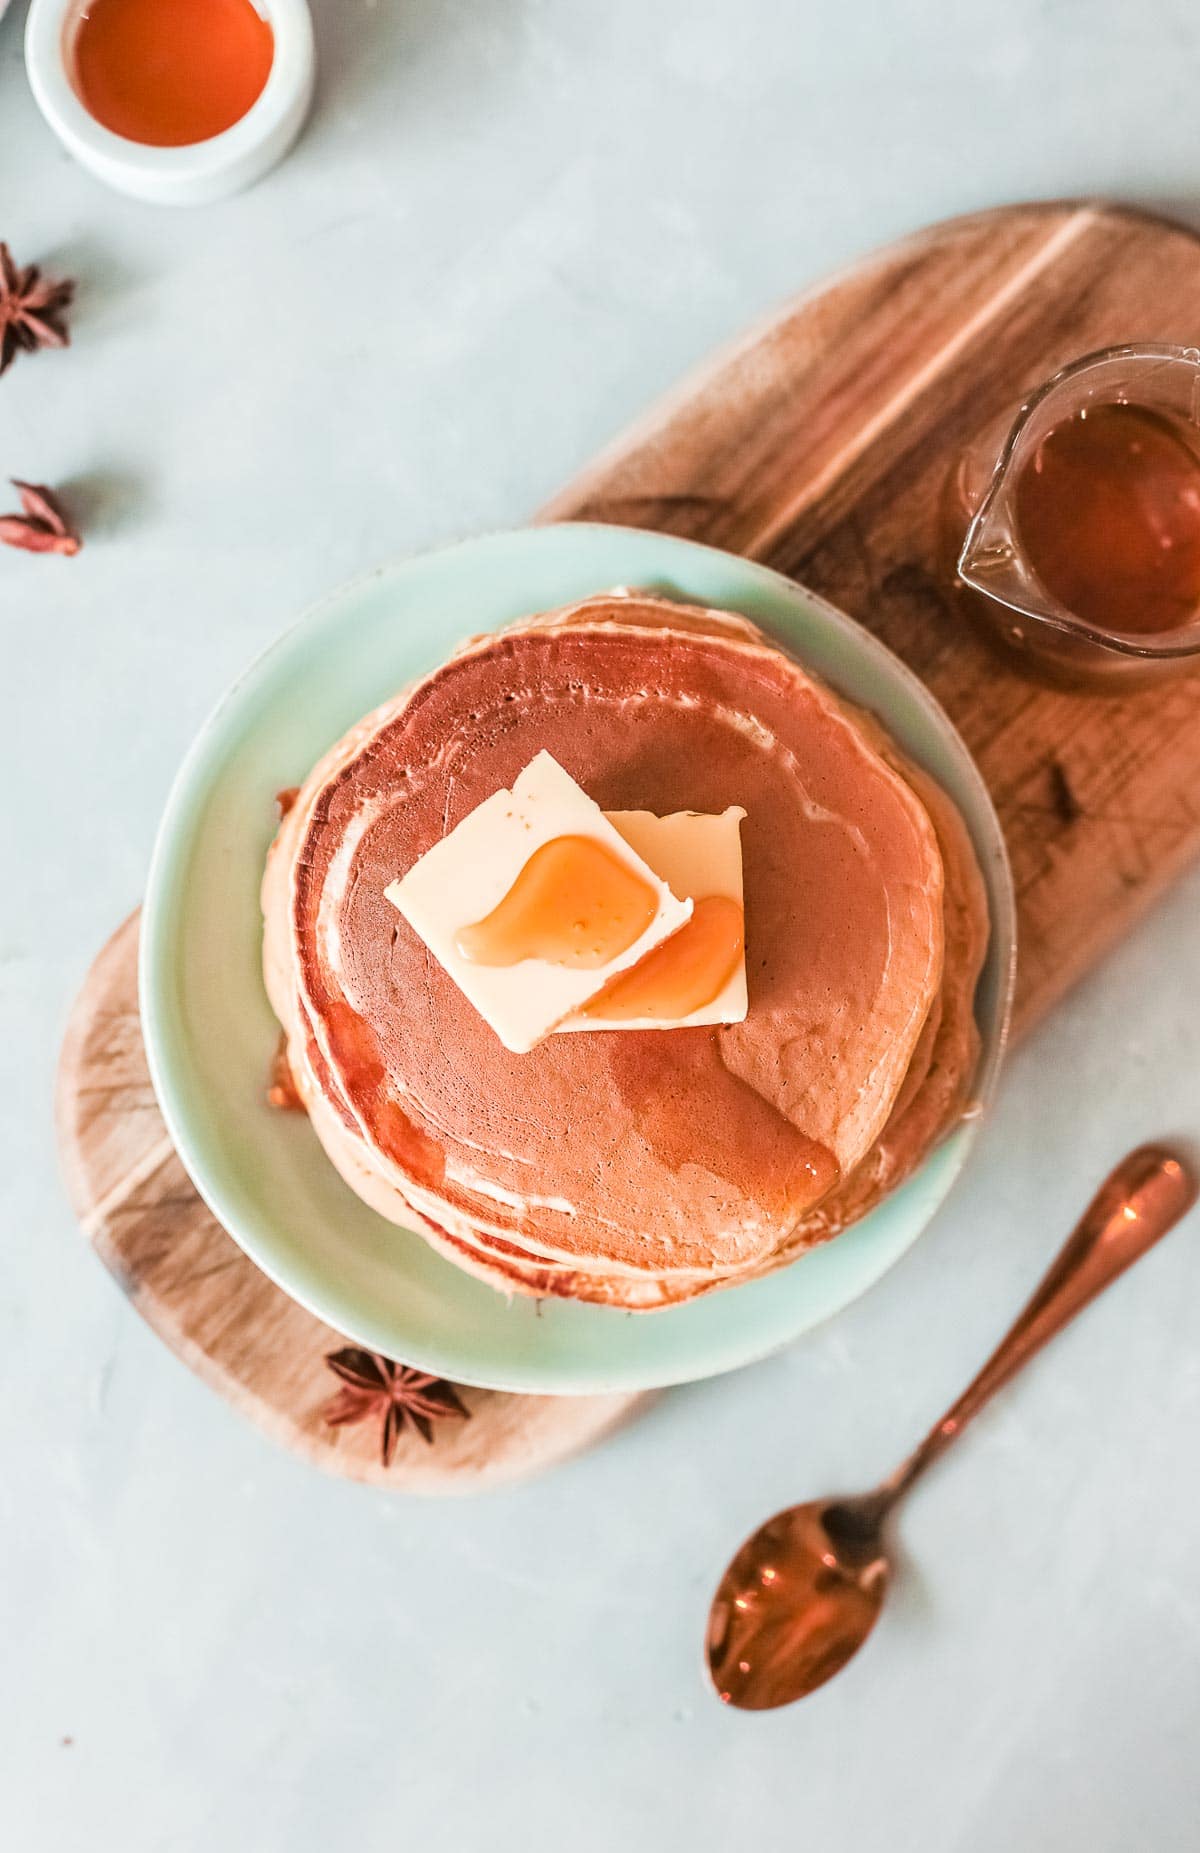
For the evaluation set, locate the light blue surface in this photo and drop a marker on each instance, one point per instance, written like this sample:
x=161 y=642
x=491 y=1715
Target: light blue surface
x=508 y=226
x=210 y=1033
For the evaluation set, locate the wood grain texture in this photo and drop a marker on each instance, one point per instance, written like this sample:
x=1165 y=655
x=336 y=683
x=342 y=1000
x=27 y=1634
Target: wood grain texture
x=224 y=1318
x=820 y=444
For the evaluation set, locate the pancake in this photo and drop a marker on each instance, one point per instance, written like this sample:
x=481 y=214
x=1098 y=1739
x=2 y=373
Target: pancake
x=633 y=1168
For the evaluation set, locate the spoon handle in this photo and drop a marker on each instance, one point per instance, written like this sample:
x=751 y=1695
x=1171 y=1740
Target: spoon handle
x=1144 y=1197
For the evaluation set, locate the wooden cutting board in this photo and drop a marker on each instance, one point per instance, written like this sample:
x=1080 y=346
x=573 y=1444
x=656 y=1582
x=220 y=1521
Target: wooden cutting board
x=819 y=443
x=224 y=1318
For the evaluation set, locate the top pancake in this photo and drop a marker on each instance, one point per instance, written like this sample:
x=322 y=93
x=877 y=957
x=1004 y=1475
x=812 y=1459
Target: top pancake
x=648 y=1151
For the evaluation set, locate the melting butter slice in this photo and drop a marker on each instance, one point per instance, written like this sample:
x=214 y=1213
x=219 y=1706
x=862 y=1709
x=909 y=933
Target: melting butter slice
x=699 y=975
x=488 y=902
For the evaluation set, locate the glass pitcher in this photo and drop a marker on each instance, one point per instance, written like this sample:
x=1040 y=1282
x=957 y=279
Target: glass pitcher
x=982 y=541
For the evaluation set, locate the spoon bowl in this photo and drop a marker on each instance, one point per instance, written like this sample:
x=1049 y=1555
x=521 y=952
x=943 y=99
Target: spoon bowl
x=797 y=1601
x=805 y=1590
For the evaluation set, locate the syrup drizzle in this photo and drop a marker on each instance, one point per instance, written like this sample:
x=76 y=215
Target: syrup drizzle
x=682 y=974
x=574 y=903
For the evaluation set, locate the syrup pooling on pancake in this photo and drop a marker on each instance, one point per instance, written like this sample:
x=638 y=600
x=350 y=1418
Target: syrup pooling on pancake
x=682 y=974
x=644 y=1166
x=573 y=903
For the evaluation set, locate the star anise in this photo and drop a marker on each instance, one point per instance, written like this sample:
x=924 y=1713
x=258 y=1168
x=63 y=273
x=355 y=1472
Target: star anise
x=374 y=1386
x=43 y=527
x=31 y=309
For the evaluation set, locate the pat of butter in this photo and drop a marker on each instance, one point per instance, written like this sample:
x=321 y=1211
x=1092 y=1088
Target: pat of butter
x=697 y=854
x=465 y=876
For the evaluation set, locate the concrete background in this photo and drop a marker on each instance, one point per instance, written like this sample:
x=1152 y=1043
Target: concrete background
x=509 y=225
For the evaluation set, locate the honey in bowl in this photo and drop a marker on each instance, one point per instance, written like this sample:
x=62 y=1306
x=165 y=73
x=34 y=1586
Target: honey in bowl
x=1107 y=512
x=168 y=73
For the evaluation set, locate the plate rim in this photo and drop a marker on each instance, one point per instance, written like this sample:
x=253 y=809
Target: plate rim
x=179 y=826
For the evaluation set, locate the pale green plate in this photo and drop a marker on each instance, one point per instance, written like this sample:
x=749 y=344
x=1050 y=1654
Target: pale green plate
x=210 y=1034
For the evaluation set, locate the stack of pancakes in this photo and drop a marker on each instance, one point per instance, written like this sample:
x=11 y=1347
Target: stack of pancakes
x=633 y=1168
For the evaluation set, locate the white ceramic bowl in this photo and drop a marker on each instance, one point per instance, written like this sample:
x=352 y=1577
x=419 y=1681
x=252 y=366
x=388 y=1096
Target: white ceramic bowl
x=201 y=171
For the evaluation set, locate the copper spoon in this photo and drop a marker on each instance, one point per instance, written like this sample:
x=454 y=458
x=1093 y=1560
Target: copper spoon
x=805 y=1590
